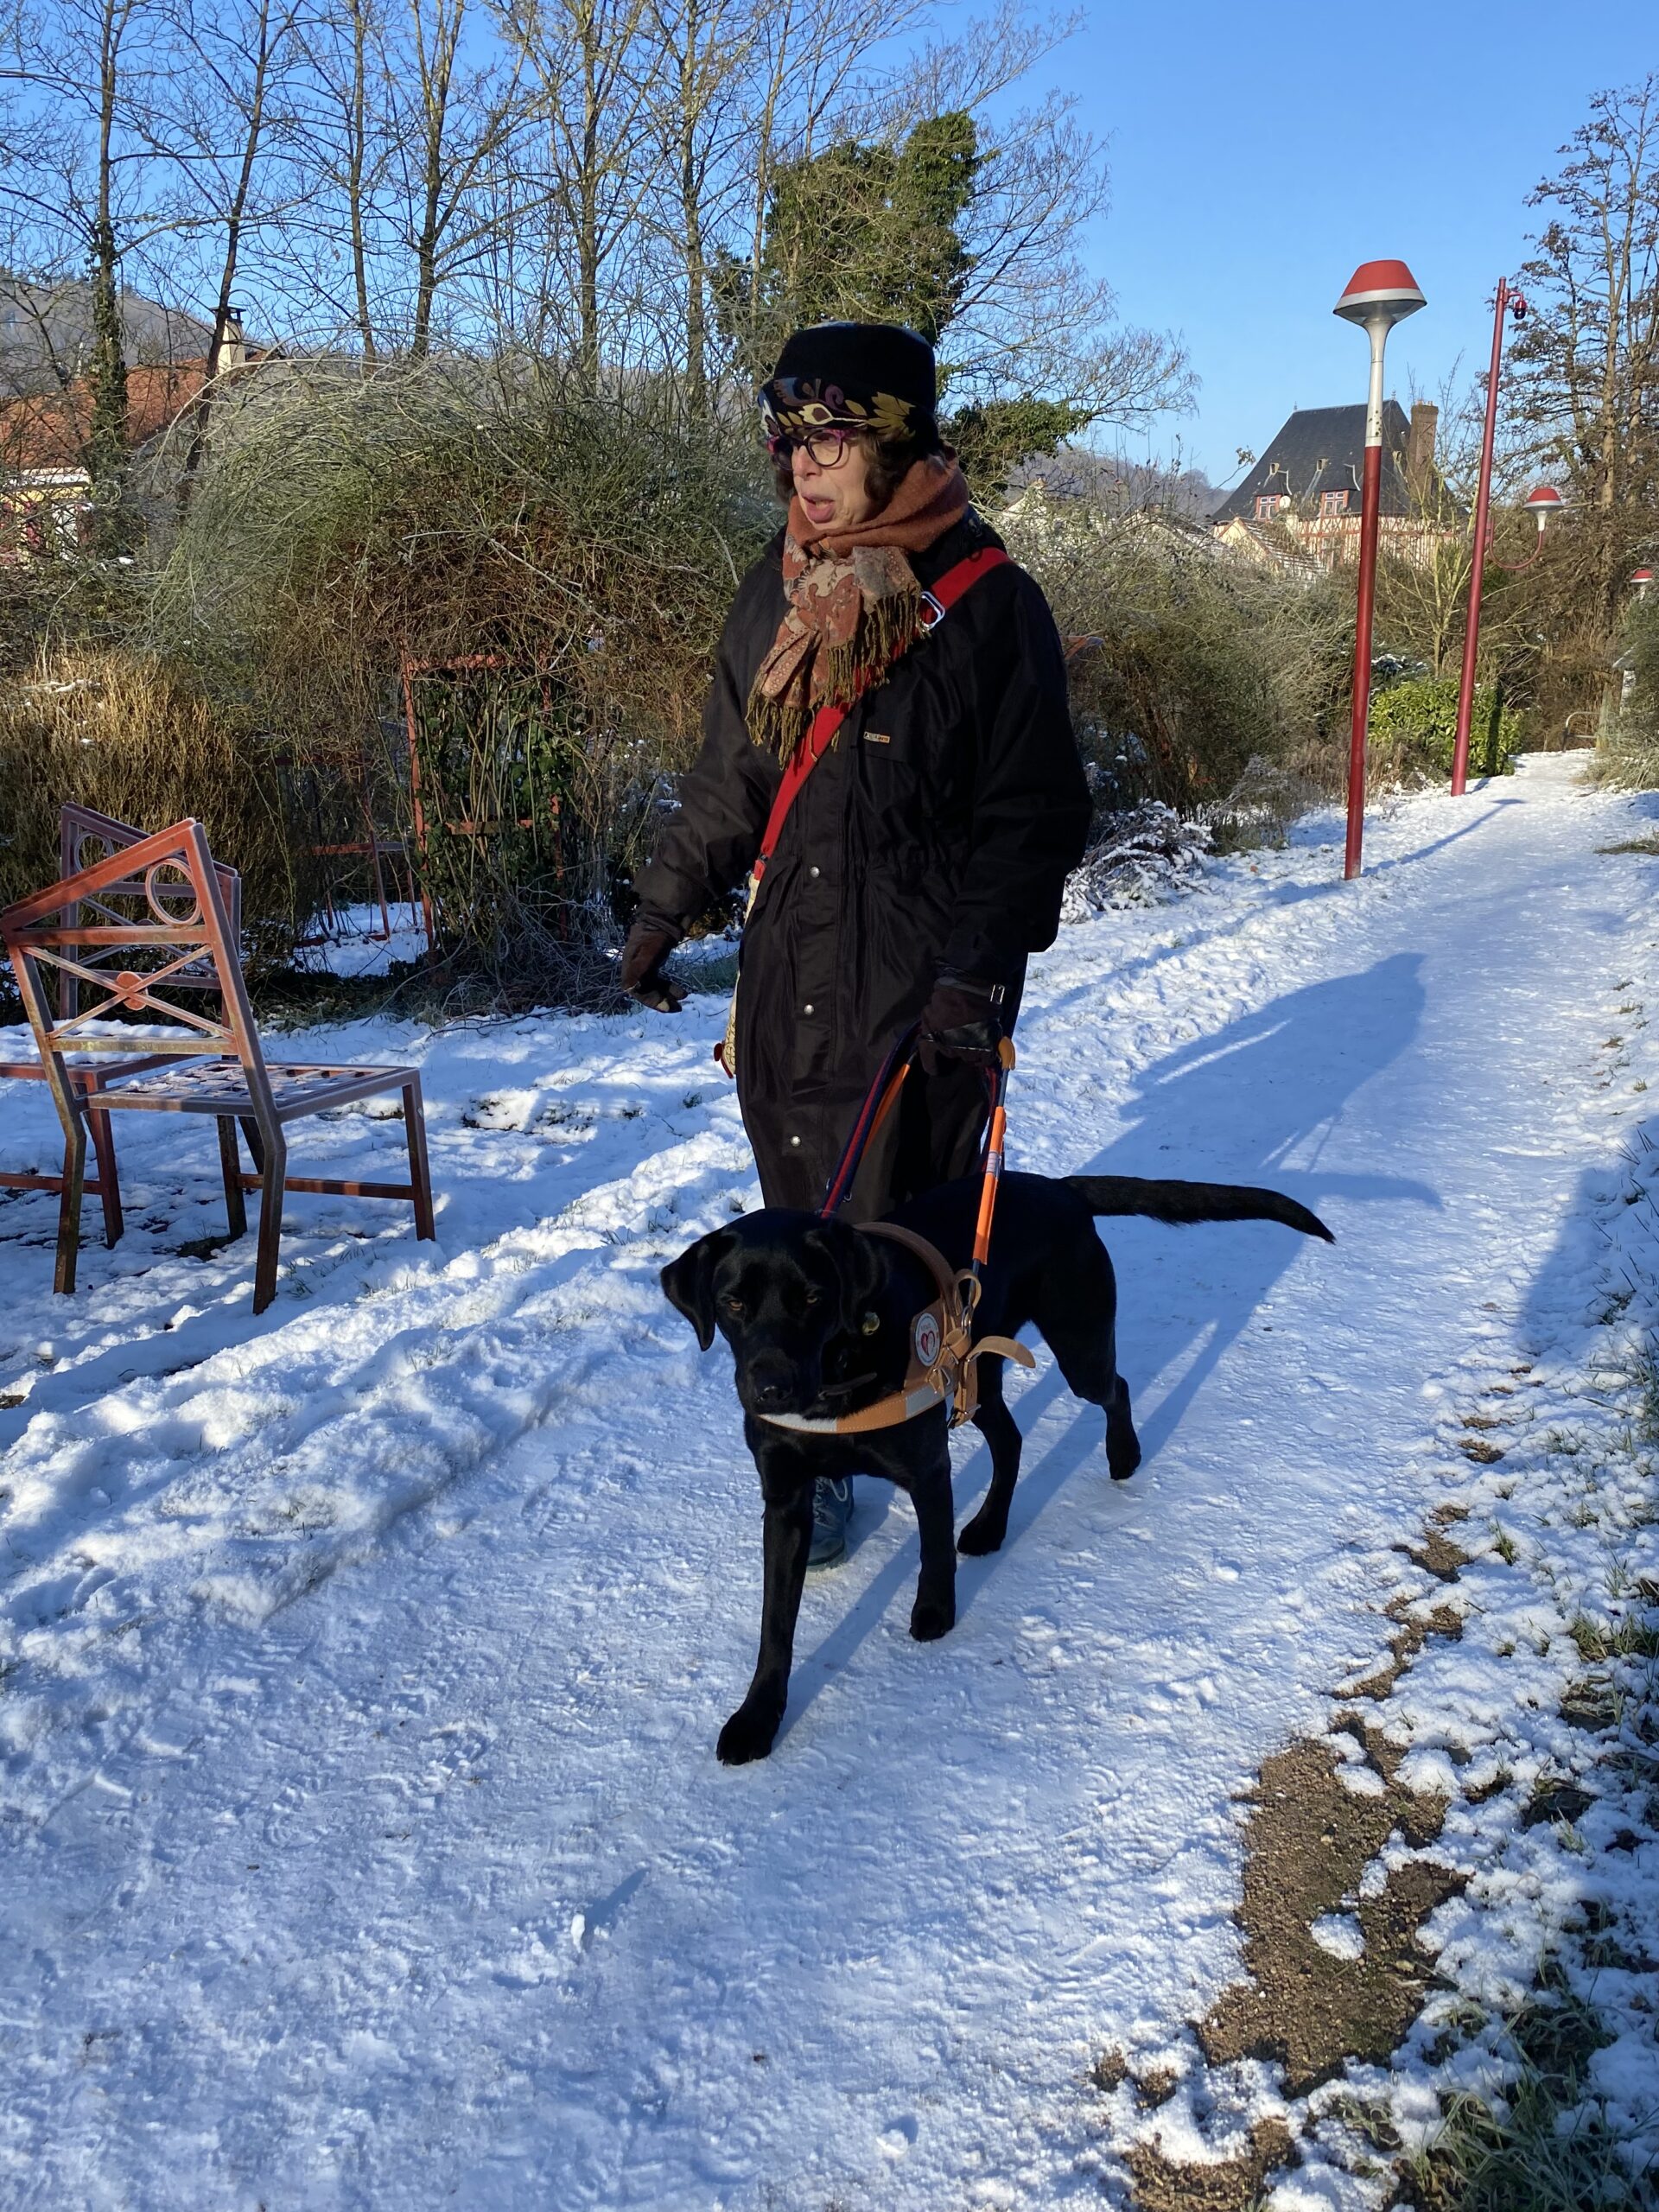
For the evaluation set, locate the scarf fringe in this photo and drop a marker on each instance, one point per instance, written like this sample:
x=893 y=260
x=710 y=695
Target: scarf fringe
x=886 y=628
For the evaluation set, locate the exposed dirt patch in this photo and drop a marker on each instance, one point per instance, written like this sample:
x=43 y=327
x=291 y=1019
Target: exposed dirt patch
x=1437 y=1555
x=1415 y=1631
x=1233 y=2185
x=1309 y=1840
x=1110 y=2070
x=1157 y=2086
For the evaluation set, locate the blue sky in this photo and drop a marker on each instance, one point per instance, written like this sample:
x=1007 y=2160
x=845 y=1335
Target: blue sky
x=1246 y=185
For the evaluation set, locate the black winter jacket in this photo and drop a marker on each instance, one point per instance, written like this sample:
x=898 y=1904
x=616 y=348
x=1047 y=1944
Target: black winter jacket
x=936 y=835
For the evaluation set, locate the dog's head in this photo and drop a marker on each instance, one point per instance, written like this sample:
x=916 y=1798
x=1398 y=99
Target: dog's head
x=800 y=1300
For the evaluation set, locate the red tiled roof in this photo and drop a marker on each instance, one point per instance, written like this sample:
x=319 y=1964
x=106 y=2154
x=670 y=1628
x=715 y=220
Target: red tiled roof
x=52 y=430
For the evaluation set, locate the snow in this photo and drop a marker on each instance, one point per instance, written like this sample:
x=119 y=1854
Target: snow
x=361 y=1665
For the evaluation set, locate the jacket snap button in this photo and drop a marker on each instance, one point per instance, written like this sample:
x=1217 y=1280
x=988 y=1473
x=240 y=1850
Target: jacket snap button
x=807 y=1008
x=794 y=1139
x=811 y=871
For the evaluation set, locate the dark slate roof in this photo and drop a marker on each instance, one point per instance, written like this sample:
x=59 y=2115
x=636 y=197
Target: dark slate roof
x=1323 y=449
x=46 y=334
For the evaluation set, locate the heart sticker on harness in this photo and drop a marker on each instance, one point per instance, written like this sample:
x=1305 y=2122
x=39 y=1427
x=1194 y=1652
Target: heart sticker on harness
x=924 y=1336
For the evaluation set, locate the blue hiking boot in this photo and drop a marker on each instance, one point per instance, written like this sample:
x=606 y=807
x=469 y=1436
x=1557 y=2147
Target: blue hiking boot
x=832 y=1508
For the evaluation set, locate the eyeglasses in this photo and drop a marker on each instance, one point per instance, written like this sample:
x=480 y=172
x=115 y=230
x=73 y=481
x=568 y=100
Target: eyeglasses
x=825 y=448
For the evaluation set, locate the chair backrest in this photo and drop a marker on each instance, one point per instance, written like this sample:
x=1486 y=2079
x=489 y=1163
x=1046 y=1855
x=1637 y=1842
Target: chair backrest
x=182 y=940
x=84 y=836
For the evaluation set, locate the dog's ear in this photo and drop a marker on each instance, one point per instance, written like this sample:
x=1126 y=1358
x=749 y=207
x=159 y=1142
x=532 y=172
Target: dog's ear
x=688 y=1283
x=861 y=1268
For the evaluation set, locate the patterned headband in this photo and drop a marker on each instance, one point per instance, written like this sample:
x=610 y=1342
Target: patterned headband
x=793 y=407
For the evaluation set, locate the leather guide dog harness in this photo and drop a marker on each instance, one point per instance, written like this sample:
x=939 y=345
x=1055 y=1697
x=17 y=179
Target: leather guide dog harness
x=820 y=734
x=943 y=1357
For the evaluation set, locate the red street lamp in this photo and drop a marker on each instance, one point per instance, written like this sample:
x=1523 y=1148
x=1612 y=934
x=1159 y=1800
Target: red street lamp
x=1642 y=581
x=1508 y=303
x=1379 y=295
x=1544 y=502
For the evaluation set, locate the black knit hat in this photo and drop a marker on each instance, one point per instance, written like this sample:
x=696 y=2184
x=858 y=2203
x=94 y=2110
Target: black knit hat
x=874 y=376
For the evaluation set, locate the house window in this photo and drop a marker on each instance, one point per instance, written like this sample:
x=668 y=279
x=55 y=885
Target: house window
x=1333 y=503
x=1268 y=504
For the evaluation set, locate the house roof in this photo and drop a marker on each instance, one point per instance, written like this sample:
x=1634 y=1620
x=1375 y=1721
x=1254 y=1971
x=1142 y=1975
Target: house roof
x=46 y=332
x=53 y=429
x=1323 y=449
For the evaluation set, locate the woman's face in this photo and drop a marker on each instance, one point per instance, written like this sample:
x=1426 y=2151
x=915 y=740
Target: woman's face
x=836 y=497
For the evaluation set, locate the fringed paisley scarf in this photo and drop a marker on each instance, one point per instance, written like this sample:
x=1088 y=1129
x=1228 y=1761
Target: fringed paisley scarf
x=854 y=604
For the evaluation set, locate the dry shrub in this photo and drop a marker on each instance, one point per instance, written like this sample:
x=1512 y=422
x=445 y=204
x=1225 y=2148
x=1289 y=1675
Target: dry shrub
x=138 y=739
x=1628 y=756
x=588 y=548
x=1204 y=664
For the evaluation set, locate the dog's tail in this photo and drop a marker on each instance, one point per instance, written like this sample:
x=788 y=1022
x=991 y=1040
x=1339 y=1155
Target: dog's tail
x=1179 y=1202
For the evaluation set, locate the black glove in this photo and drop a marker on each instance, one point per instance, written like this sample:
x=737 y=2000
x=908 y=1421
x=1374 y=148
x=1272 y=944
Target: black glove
x=650 y=941
x=962 y=1022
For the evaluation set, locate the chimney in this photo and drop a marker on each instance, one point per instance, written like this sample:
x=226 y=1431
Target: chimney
x=1419 y=450
x=232 y=352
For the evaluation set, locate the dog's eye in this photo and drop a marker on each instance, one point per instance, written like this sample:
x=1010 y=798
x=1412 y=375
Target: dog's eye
x=732 y=1305
x=814 y=1297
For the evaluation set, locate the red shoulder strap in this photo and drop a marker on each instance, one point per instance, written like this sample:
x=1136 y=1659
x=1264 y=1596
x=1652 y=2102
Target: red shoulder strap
x=937 y=601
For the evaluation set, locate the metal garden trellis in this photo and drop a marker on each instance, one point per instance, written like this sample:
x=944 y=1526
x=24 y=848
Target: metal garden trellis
x=464 y=825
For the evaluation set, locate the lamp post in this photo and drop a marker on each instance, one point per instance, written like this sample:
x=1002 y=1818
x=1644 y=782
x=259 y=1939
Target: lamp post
x=1508 y=303
x=1379 y=295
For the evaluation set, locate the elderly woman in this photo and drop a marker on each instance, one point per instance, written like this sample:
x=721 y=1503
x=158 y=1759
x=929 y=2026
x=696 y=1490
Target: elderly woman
x=921 y=860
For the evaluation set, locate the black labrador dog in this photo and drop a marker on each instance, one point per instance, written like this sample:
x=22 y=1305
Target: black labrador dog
x=819 y=1317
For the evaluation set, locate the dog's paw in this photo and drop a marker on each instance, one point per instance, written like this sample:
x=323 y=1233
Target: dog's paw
x=932 y=1618
x=749 y=1734
x=984 y=1533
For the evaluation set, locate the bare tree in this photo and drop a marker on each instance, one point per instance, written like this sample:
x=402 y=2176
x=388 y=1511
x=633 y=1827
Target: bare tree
x=698 y=54
x=594 y=99
x=456 y=121
x=1587 y=384
x=241 y=57
x=342 y=137
x=92 y=185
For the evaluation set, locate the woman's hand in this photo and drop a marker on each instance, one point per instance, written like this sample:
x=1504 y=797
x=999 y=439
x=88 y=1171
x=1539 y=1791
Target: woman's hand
x=962 y=1022
x=650 y=941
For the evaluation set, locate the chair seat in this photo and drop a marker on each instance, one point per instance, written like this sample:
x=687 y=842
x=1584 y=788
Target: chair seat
x=87 y=1071
x=297 y=1087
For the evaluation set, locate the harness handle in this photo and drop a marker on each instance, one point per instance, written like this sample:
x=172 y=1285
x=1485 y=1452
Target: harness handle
x=996 y=1139
x=878 y=1101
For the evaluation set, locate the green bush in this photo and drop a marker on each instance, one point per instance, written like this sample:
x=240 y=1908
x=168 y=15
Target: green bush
x=1415 y=725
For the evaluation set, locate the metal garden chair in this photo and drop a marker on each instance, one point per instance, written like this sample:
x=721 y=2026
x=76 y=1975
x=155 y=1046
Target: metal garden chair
x=179 y=938
x=86 y=837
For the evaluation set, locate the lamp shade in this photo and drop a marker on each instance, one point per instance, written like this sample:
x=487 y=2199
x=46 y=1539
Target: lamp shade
x=1544 y=499
x=1380 y=291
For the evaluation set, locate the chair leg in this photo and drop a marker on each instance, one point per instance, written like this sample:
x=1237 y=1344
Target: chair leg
x=103 y=1138
x=230 y=1168
x=256 y=1146
x=420 y=1175
x=75 y=1177
x=271 y=1221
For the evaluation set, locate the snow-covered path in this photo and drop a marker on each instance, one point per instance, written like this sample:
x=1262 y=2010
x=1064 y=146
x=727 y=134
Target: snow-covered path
x=360 y=1667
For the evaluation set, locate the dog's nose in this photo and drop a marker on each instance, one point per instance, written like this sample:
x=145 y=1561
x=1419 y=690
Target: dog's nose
x=771 y=1384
